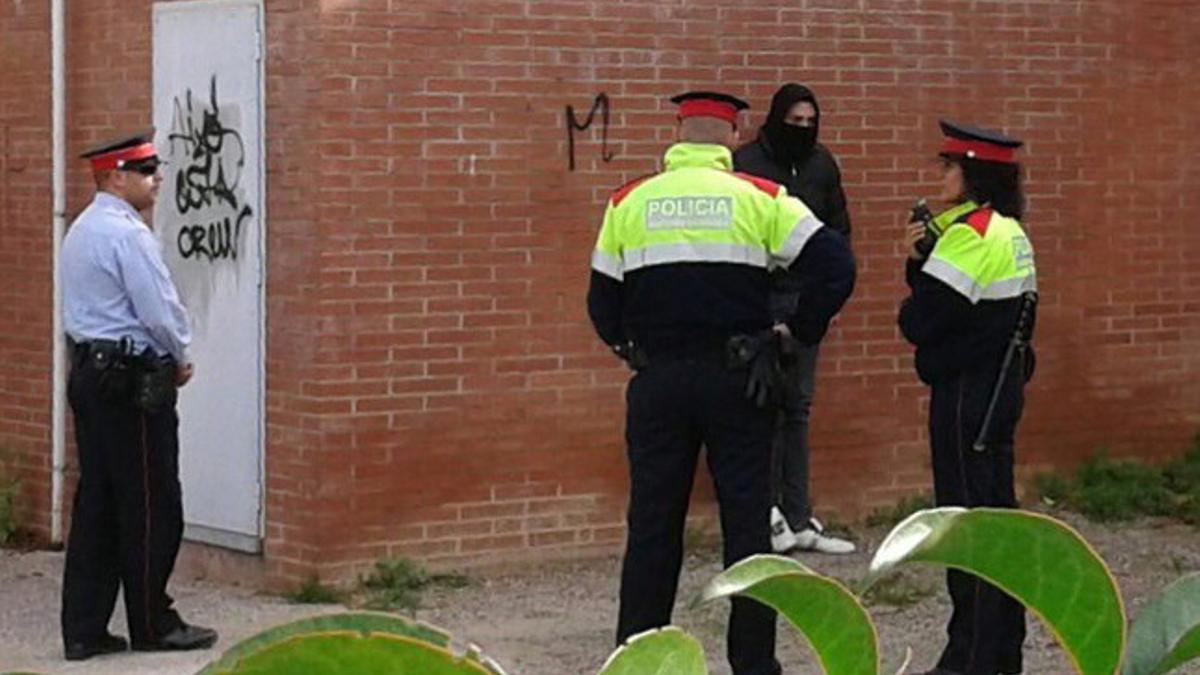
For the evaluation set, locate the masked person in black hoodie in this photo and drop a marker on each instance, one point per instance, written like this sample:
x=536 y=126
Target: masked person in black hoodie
x=787 y=152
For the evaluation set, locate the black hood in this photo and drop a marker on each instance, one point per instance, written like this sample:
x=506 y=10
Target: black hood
x=788 y=142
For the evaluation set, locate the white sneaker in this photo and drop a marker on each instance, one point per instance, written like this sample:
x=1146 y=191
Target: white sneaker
x=813 y=538
x=782 y=537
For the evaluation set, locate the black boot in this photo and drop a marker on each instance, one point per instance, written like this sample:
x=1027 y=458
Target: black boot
x=183 y=638
x=109 y=644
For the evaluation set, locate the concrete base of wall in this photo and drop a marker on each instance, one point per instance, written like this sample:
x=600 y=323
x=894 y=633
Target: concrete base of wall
x=201 y=561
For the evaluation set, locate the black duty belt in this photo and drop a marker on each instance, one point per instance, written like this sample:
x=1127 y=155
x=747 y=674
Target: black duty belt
x=703 y=346
x=125 y=376
x=103 y=350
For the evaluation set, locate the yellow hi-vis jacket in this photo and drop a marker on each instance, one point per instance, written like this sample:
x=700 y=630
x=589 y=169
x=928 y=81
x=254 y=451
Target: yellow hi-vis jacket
x=683 y=255
x=981 y=254
x=698 y=211
x=966 y=298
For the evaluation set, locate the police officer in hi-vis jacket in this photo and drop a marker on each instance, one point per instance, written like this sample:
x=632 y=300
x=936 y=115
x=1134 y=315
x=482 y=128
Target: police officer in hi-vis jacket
x=679 y=288
x=970 y=316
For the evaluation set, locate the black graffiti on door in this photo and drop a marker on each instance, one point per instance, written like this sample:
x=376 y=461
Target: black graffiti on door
x=215 y=157
x=218 y=240
x=600 y=104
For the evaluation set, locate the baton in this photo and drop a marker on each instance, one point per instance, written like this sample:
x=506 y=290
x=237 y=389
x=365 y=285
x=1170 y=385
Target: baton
x=1028 y=301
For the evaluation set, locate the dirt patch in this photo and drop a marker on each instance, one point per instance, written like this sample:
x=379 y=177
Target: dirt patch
x=558 y=619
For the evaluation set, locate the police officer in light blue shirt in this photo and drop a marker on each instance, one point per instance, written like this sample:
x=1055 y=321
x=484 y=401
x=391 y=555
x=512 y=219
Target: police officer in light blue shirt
x=116 y=284
x=129 y=336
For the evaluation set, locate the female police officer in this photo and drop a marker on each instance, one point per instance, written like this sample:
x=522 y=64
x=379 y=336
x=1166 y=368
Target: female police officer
x=973 y=284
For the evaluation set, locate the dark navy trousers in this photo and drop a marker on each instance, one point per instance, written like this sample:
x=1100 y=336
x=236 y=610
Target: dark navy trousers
x=127 y=519
x=676 y=406
x=987 y=628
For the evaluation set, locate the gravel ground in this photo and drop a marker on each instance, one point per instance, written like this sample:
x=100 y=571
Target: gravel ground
x=558 y=619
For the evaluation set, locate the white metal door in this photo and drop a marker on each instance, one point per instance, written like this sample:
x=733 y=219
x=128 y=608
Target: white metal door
x=208 y=113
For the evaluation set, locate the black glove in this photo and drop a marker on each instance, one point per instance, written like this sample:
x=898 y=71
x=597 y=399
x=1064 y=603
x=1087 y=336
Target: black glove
x=759 y=353
x=632 y=356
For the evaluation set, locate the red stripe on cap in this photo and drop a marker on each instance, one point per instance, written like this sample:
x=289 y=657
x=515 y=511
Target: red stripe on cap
x=702 y=107
x=979 y=150
x=114 y=159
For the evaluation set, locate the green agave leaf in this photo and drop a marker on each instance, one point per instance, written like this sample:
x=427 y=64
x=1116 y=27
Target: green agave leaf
x=350 y=643
x=660 y=651
x=826 y=613
x=1038 y=560
x=1166 y=633
x=364 y=623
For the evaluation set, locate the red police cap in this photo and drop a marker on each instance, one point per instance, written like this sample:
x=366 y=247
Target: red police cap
x=709 y=104
x=117 y=153
x=972 y=142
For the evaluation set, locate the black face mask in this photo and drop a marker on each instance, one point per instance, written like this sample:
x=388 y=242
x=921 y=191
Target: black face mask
x=797 y=141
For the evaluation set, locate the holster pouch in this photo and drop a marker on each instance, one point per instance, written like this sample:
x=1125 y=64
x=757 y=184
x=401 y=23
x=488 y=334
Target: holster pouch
x=759 y=354
x=155 y=383
x=113 y=363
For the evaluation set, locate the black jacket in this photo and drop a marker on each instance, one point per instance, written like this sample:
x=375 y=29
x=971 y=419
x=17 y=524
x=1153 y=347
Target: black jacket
x=818 y=183
x=816 y=180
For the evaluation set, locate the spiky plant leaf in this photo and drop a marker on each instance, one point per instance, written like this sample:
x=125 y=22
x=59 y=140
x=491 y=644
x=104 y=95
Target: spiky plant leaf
x=1166 y=633
x=828 y=615
x=348 y=644
x=660 y=651
x=1038 y=560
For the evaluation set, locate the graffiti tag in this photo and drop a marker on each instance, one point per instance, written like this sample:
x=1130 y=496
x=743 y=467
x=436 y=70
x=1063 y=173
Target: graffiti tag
x=600 y=104
x=215 y=159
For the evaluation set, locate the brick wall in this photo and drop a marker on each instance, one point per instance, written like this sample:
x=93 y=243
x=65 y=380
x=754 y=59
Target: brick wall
x=434 y=388
x=25 y=256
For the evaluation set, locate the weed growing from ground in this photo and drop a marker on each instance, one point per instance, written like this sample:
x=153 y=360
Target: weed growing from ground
x=902 y=589
x=398 y=585
x=1182 y=478
x=890 y=516
x=1106 y=490
x=897 y=591
x=313 y=592
x=8 y=499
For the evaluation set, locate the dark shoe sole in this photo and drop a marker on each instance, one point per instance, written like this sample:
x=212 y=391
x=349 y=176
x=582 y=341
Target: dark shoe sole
x=83 y=653
x=164 y=647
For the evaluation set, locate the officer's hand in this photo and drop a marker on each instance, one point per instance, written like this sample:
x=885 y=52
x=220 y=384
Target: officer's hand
x=782 y=329
x=183 y=374
x=913 y=234
x=765 y=376
x=631 y=355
